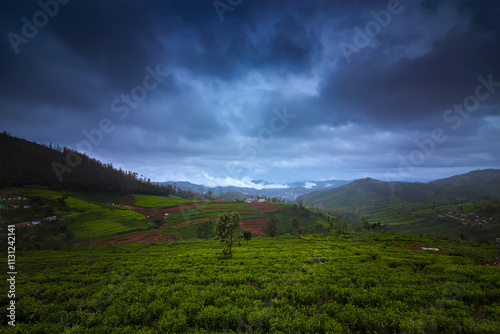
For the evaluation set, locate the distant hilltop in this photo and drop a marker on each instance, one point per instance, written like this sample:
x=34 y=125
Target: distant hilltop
x=475 y=185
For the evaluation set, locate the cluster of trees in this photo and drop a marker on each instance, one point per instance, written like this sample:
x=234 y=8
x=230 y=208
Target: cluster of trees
x=374 y=227
x=271 y=229
x=328 y=218
x=27 y=163
x=34 y=208
x=302 y=210
x=48 y=235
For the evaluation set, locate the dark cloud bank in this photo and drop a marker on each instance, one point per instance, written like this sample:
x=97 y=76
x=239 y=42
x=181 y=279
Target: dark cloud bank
x=241 y=90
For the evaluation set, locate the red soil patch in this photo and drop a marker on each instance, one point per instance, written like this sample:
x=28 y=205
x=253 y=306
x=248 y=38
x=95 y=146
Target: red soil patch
x=256 y=226
x=154 y=236
x=160 y=212
x=489 y=263
x=264 y=207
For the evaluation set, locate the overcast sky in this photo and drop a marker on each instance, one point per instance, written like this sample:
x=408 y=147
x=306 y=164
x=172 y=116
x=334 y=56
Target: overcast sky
x=223 y=92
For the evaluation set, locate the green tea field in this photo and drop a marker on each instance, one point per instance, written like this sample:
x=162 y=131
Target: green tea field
x=362 y=283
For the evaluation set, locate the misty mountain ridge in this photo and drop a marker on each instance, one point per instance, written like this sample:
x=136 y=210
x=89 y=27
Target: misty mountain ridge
x=475 y=185
x=289 y=191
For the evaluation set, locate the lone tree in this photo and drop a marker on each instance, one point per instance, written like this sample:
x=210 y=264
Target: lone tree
x=247 y=235
x=296 y=226
x=224 y=230
x=340 y=225
x=366 y=223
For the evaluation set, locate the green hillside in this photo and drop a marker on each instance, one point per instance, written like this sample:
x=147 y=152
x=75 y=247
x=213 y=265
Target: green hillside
x=422 y=207
x=78 y=212
x=81 y=216
x=186 y=223
x=311 y=221
x=233 y=195
x=370 y=283
x=370 y=193
x=487 y=176
x=150 y=201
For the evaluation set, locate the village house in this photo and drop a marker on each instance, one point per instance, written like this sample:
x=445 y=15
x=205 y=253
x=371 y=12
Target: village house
x=33 y=223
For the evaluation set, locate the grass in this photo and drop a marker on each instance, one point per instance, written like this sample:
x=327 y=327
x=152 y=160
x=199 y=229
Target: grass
x=160 y=201
x=308 y=218
x=246 y=210
x=104 y=222
x=186 y=222
x=184 y=216
x=424 y=227
x=362 y=283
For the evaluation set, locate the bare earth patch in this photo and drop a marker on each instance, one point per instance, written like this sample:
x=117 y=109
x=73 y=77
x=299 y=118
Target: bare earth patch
x=256 y=226
x=489 y=263
x=264 y=207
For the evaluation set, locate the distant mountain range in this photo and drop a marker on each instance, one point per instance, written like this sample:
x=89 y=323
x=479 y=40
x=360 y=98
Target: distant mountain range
x=27 y=163
x=475 y=185
x=289 y=191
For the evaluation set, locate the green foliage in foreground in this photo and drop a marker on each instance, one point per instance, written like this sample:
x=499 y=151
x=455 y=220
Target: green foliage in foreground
x=317 y=284
x=160 y=201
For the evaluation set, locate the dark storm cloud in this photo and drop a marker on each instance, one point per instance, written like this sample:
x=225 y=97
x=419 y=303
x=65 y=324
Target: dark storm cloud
x=408 y=90
x=227 y=78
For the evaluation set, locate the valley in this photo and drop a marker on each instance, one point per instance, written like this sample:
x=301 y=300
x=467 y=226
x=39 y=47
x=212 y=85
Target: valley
x=365 y=257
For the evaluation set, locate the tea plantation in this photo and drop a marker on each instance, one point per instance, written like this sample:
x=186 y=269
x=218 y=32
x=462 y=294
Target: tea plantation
x=361 y=283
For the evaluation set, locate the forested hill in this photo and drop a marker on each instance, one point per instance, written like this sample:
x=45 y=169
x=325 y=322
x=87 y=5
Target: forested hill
x=475 y=177
x=27 y=163
x=476 y=185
